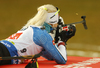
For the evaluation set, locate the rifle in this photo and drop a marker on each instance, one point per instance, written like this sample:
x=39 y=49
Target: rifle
x=60 y=25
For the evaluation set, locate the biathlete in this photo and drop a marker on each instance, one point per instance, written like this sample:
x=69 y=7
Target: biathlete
x=34 y=39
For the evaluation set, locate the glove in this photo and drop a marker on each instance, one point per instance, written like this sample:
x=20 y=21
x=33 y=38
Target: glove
x=67 y=33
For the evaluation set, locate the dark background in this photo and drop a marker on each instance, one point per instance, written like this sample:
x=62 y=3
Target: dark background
x=14 y=14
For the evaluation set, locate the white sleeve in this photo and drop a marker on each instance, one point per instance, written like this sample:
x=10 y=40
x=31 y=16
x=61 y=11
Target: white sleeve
x=62 y=50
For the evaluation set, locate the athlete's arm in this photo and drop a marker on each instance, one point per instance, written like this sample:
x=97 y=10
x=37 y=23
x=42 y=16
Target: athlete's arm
x=50 y=51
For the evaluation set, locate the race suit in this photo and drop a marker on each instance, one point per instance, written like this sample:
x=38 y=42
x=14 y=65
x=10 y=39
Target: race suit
x=33 y=40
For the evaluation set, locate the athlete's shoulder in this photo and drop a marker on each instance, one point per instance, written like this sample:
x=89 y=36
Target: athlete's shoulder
x=39 y=30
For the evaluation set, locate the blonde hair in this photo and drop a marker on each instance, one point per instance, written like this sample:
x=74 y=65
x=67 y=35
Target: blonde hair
x=39 y=18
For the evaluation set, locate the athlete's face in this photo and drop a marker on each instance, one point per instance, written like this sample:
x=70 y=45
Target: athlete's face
x=54 y=25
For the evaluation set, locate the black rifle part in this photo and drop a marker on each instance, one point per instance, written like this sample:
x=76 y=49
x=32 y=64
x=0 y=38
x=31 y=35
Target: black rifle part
x=60 y=25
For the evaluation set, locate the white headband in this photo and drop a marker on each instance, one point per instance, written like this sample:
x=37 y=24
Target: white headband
x=52 y=18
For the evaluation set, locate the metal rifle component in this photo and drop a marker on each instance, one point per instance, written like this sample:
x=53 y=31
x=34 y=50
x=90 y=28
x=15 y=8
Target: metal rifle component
x=83 y=22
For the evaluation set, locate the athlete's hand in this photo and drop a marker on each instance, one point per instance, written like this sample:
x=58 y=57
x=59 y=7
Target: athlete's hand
x=68 y=33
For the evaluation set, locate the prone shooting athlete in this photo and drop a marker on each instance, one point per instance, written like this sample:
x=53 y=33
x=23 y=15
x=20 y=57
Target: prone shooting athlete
x=34 y=38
